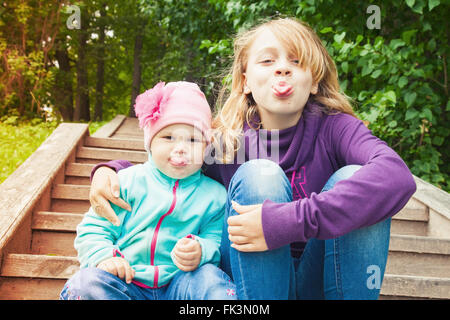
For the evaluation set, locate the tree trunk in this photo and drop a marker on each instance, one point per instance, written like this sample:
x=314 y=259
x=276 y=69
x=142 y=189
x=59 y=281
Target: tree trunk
x=63 y=91
x=98 y=114
x=135 y=90
x=82 y=101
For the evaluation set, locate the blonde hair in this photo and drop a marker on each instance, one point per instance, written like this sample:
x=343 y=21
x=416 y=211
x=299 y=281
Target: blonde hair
x=238 y=107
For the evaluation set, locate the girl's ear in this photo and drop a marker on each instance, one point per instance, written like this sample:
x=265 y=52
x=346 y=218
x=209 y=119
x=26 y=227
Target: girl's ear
x=246 y=89
x=314 y=88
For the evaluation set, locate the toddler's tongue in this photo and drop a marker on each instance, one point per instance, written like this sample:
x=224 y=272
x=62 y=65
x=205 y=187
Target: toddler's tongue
x=282 y=88
x=178 y=161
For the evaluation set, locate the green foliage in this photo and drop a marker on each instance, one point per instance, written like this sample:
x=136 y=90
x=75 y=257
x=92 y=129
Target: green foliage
x=18 y=140
x=397 y=75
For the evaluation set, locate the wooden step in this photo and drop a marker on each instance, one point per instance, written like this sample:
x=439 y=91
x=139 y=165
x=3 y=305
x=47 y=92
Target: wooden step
x=420 y=256
x=70 y=192
x=414 y=210
x=78 y=173
x=38 y=266
x=70 y=206
x=409 y=227
x=35 y=277
x=56 y=221
x=30 y=289
x=419 y=244
x=54 y=233
x=92 y=153
x=418 y=264
x=411 y=220
x=415 y=286
x=53 y=243
x=111 y=143
x=79 y=169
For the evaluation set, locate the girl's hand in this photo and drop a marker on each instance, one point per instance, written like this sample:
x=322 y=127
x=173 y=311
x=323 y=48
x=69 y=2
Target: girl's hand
x=119 y=267
x=104 y=187
x=187 y=254
x=245 y=230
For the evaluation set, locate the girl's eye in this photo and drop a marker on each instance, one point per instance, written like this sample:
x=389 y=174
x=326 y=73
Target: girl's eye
x=171 y=138
x=296 y=61
x=266 y=61
x=195 y=140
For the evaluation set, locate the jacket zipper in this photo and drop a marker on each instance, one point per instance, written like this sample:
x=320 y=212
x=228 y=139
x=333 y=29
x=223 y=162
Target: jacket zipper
x=155 y=234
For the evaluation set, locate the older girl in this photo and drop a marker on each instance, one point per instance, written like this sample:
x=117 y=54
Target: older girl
x=312 y=219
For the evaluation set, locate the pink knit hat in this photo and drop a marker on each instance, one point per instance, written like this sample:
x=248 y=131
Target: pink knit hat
x=176 y=102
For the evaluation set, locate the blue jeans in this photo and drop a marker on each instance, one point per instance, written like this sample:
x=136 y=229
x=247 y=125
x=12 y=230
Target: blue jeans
x=348 y=267
x=207 y=282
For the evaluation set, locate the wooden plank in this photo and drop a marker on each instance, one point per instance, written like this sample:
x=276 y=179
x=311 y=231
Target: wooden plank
x=413 y=210
x=126 y=144
x=433 y=197
x=30 y=289
x=70 y=206
x=56 y=221
x=39 y=266
x=414 y=286
x=419 y=244
x=418 y=264
x=129 y=126
x=111 y=154
x=79 y=169
x=54 y=243
x=129 y=136
x=438 y=225
x=407 y=227
x=20 y=192
x=108 y=129
x=71 y=192
x=85 y=181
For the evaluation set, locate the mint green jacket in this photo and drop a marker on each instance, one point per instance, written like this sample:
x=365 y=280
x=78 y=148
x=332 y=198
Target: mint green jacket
x=164 y=210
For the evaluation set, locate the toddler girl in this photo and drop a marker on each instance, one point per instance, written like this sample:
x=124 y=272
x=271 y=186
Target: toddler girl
x=167 y=245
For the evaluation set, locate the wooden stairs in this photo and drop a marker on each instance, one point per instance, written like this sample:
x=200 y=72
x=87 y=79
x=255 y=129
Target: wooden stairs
x=42 y=202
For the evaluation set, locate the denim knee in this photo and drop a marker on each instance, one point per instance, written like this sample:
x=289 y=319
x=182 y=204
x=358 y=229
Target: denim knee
x=89 y=283
x=218 y=285
x=207 y=282
x=260 y=179
x=75 y=287
x=341 y=174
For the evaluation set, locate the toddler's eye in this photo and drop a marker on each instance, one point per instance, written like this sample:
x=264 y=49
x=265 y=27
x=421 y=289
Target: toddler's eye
x=196 y=140
x=170 y=138
x=296 y=61
x=266 y=61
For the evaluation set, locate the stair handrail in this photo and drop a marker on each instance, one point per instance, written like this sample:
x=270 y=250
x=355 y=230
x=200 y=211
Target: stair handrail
x=20 y=192
x=433 y=197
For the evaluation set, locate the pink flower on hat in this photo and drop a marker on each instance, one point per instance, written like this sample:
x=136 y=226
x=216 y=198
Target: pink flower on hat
x=150 y=104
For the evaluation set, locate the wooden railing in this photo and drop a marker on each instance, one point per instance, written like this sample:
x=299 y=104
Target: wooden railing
x=23 y=189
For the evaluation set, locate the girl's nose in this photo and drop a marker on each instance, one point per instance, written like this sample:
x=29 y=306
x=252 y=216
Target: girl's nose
x=180 y=148
x=283 y=69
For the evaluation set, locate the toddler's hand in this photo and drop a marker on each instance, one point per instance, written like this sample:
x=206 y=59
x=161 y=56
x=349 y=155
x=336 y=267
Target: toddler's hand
x=119 y=267
x=187 y=254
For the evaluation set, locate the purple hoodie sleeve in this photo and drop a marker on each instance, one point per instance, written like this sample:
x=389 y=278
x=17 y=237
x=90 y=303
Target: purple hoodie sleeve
x=116 y=165
x=378 y=190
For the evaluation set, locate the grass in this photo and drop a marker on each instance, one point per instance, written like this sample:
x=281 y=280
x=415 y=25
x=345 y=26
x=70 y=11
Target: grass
x=18 y=140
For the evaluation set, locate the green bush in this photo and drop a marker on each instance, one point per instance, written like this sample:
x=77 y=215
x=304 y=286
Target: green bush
x=397 y=75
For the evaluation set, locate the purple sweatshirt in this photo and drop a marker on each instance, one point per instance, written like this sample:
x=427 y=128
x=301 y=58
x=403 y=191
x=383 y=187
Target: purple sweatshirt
x=309 y=153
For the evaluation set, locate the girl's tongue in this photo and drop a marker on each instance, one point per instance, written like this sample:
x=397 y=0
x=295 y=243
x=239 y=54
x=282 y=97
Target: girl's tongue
x=178 y=161
x=282 y=89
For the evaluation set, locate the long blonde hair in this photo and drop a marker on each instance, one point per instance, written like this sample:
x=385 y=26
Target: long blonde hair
x=238 y=107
